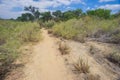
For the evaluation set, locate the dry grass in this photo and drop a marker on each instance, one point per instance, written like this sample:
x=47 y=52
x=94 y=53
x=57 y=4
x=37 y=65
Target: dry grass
x=80 y=29
x=13 y=35
x=50 y=31
x=92 y=77
x=82 y=66
x=64 y=49
x=114 y=57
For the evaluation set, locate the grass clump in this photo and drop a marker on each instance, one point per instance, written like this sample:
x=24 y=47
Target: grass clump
x=82 y=66
x=64 y=49
x=49 y=24
x=114 y=57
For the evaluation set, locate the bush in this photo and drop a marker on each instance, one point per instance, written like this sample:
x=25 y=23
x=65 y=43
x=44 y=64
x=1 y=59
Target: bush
x=12 y=35
x=50 y=31
x=114 y=57
x=82 y=66
x=64 y=49
x=65 y=29
x=79 y=29
x=49 y=24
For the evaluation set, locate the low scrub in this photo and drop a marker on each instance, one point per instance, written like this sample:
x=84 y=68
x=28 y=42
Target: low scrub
x=114 y=57
x=65 y=29
x=49 y=24
x=12 y=35
x=64 y=49
x=82 y=66
x=79 y=29
x=50 y=31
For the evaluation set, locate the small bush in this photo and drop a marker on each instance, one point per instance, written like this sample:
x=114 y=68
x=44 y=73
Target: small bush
x=49 y=24
x=114 y=57
x=82 y=66
x=93 y=50
x=116 y=36
x=64 y=49
x=80 y=38
x=50 y=31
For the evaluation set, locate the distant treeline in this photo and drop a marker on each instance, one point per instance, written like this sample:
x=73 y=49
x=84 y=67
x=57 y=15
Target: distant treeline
x=34 y=14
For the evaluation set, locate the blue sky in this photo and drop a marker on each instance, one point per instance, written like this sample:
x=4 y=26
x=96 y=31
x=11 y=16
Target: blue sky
x=14 y=8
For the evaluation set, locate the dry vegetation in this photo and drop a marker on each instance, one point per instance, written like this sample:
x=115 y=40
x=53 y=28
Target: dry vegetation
x=82 y=66
x=12 y=36
x=114 y=57
x=64 y=48
x=92 y=77
x=79 y=29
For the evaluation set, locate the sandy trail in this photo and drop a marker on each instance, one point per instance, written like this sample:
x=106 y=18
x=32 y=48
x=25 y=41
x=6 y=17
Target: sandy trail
x=46 y=62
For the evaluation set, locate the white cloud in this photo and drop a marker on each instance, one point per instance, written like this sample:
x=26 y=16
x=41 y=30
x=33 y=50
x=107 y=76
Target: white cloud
x=7 y=5
x=105 y=0
x=88 y=8
x=111 y=7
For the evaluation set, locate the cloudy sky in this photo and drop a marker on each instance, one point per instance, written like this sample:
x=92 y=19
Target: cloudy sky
x=14 y=8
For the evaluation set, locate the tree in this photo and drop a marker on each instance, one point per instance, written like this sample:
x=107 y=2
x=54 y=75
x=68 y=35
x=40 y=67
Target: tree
x=68 y=15
x=116 y=14
x=26 y=17
x=102 y=13
x=58 y=15
x=77 y=13
x=34 y=11
x=46 y=16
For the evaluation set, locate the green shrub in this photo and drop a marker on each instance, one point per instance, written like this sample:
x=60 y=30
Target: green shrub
x=12 y=35
x=79 y=29
x=65 y=29
x=49 y=24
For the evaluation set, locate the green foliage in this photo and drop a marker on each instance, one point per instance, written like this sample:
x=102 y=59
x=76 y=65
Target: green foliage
x=83 y=27
x=71 y=14
x=49 y=24
x=12 y=36
x=68 y=15
x=46 y=16
x=78 y=13
x=65 y=29
x=102 y=13
x=33 y=14
x=58 y=15
x=26 y=17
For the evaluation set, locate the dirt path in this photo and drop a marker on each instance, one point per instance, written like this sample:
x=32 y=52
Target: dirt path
x=46 y=62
